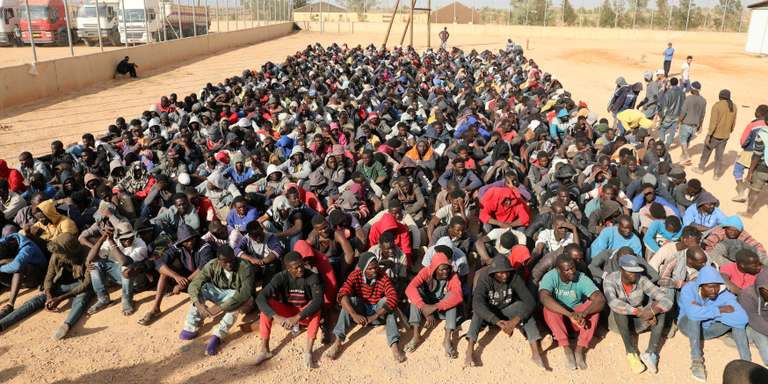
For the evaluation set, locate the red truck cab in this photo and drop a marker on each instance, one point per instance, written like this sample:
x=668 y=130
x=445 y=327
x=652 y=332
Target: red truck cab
x=49 y=23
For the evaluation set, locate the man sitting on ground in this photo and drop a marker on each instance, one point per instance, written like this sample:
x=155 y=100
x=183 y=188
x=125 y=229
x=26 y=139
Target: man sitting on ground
x=227 y=282
x=22 y=263
x=293 y=297
x=566 y=292
x=125 y=67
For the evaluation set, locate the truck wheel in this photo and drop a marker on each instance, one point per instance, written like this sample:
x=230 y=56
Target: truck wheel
x=61 y=37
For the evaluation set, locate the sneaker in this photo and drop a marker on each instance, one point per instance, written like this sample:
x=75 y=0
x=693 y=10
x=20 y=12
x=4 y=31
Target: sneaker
x=698 y=371
x=212 y=348
x=61 y=332
x=635 y=364
x=187 y=335
x=651 y=360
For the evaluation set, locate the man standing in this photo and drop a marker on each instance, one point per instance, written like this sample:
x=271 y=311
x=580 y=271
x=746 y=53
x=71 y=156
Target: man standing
x=722 y=120
x=668 y=53
x=670 y=106
x=757 y=177
x=691 y=119
x=706 y=312
x=685 y=73
x=444 y=38
x=747 y=141
x=566 y=292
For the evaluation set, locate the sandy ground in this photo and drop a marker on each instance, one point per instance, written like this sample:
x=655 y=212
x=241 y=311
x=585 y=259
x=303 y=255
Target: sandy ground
x=110 y=348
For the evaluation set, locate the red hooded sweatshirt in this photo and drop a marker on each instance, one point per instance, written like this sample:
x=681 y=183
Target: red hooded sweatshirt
x=389 y=223
x=426 y=279
x=14 y=177
x=324 y=269
x=493 y=208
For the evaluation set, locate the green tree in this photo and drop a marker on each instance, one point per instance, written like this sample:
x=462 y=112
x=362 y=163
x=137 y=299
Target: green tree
x=359 y=6
x=607 y=15
x=537 y=11
x=661 y=16
x=731 y=10
x=569 y=14
x=518 y=11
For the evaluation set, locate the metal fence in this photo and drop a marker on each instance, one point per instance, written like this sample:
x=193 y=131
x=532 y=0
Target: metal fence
x=678 y=15
x=98 y=24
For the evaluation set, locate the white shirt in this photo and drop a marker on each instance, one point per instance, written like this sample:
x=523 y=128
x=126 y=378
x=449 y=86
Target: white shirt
x=685 y=71
x=137 y=251
x=547 y=237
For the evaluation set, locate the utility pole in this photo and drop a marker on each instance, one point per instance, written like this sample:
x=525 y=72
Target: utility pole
x=688 y=15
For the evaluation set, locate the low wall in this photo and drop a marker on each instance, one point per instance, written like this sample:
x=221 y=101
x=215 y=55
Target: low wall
x=23 y=83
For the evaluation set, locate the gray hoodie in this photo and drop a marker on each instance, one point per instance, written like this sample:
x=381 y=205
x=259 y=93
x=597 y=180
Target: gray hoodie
x=753 y=303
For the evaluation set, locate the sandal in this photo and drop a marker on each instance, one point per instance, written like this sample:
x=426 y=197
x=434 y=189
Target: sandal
x=149 y=318
x=6 y=310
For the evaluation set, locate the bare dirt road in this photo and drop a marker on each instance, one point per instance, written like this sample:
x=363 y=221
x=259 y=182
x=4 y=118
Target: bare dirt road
x=111 y=348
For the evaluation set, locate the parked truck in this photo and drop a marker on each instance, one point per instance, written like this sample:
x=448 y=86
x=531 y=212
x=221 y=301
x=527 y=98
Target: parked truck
x=160 y=21
x=9 y=22
x=88 y=30
x=49 y=23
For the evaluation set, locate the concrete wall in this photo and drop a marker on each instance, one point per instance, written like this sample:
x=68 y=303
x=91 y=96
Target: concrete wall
x=22 y=83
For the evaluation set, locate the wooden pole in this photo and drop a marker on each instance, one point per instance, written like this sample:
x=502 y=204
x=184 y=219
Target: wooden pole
x=389 y=28
x=429 y=24
x=407 y=24
x=413 y=4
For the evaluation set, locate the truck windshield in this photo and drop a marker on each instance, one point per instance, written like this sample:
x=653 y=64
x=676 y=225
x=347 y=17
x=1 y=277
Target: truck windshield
x=132 y=15
x=37 y=12
x=90 y=11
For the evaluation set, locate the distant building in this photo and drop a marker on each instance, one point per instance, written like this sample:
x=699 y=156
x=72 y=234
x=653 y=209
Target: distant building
x=757 y=36
x=455 y=13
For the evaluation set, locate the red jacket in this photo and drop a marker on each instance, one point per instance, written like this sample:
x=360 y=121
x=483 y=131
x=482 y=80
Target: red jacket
x=426 y=278
x=324 y=269
x=14 y=177
x=389 y=223
x=493 y=207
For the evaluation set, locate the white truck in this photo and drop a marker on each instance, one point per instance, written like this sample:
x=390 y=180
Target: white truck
x=152 y=20
x=88 y=30
x=9 y=22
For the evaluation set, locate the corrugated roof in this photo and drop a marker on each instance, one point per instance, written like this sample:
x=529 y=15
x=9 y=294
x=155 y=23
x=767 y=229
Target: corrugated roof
x=760 y=4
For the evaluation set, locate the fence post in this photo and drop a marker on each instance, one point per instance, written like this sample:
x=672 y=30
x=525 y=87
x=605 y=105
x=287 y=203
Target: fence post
x=29 y=30
x=651 y=19
x=688 y=15
x=194 y=17
x=69 y=29
x=178 y=7
x=322 y=22
x=546 y=7
x=146 y=24
x=527 y=2
x=634 y=16
x=725 y=10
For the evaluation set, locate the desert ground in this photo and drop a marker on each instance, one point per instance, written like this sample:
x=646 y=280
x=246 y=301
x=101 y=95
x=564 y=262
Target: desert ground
x=108 y=347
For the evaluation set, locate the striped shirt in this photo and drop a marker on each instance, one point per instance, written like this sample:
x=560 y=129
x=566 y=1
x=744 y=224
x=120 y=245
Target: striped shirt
x=626 y=304
x=370 y=293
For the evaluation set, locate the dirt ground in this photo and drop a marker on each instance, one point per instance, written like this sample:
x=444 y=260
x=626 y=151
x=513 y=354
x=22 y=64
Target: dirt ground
x=110 y=348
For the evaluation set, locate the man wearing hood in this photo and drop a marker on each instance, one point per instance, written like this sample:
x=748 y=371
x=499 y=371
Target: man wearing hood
x=293 y=297
x=367 y=297
x=14 y=177
x=754 y=300
x=50 y=223
x=501 y=298
x=178 y=265
x=22 y=263
x=707 y=312
x=67 y=277
x=390 y=222
x=722 y=120
x=435 y=293
x=10 y=202
x=704 y=214
x=732 y=228
x=297 y=168
x=504 y=207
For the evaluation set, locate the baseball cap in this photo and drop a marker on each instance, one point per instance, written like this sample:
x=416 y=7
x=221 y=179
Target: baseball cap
x=630 y=263
x=659 y=72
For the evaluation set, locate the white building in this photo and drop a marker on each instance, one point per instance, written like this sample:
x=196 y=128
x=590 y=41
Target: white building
x=757 y=36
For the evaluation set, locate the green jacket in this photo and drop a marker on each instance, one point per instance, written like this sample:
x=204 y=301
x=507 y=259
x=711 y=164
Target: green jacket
x=242 y=281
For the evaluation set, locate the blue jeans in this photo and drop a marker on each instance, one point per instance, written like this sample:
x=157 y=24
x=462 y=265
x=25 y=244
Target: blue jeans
x=104 y=270
x=37 y=303
x=761 y=342
x=686 y=133
x=697 y=333
x=450 y=316
x=345 y=319
x=667 y=130
x=216 y=295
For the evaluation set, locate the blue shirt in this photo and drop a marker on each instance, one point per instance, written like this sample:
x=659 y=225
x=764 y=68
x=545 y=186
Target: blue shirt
x=694 y=216
x=237 y=222
x=638 y=202
x=610 y=238
x=668 y=53
x=656 y=229
x=28 y=253
x=240 y=178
